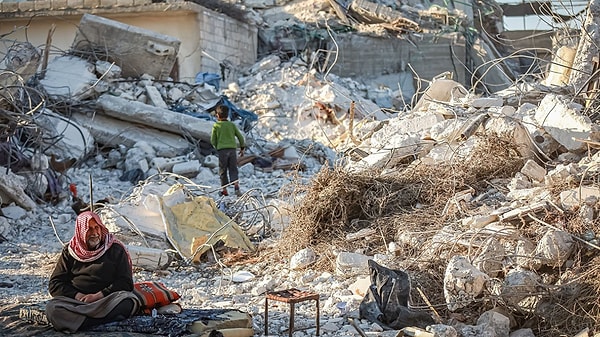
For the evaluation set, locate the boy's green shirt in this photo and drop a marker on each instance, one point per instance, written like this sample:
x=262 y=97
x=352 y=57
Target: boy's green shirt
x=223 y=135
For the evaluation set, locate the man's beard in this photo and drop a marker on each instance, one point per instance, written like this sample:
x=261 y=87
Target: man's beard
x=93 y=242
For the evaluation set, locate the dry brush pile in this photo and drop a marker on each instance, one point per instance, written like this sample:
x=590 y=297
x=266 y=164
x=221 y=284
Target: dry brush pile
x=412 y=201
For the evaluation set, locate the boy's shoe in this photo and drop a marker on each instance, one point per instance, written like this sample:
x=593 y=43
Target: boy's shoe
x=224 y=193
x=238 y=192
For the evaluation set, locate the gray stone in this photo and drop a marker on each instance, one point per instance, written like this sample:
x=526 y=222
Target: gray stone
x=14 y=212
x=519 y=289
x=462 y=283
x=554 y=248
x=302 y=259
x=496 y=321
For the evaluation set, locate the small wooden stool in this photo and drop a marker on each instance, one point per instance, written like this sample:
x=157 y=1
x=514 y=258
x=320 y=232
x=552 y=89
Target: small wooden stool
x=291 y=296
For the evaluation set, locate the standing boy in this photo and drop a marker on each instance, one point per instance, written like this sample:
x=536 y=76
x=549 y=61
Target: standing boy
x=223 y=138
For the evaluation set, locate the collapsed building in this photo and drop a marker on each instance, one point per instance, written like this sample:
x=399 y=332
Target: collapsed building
x=503 y=257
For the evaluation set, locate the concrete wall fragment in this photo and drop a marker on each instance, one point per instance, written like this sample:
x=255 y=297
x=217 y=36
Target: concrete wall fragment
x=135 y=50
x=562 y=119
x=114 y=132
x=155 y=117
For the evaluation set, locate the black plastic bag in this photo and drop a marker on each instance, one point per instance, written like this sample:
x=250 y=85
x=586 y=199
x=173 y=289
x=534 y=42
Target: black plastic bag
x=386 y=301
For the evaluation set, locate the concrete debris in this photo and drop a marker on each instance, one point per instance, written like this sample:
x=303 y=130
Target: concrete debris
x=310 y=106
x=134 y=49
x=463 y=283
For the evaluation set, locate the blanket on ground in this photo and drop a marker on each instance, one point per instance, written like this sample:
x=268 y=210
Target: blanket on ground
x=67 y=314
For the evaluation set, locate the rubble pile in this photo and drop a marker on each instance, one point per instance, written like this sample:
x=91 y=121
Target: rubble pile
x=484 y=206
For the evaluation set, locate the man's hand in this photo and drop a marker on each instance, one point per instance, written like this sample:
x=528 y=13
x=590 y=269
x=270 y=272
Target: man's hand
x=241 y=152
x=89 y=298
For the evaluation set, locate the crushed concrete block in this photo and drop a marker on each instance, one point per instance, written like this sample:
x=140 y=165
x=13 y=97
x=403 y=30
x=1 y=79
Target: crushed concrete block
x=534 y=171
x=554 y=248
x=540 y=137
x=443 y=90
x=302 y=259
x=561 y=118
x=560 y=174
x=187 y=169
x=107 y=70
x=175 y=94
x=360 y=287
x=246 y=170
x=415 y=125
x=267 y=63
x=135 y=156
x=487 y=102
x=166 y=164
x=69 y=77
x=519 y=182
x=155 y=97
x=517 y=286
x=352 y=263
x=573 y=198
x=134 y=49
x=12 y=188
x=210 y=161
x=462 y=283
x=499 y=323
x=14 y=212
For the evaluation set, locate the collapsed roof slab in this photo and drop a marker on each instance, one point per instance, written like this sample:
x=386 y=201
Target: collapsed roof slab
x=114 y=132
x=136 y=50
x=155 y=117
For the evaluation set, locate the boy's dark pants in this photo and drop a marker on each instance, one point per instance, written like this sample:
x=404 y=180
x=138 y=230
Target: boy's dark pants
x=227 y=163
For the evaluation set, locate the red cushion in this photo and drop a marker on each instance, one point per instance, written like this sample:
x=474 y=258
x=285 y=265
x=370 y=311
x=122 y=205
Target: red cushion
x=154 y=294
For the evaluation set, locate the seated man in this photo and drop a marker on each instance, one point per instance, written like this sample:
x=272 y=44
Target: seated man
x=92 y=281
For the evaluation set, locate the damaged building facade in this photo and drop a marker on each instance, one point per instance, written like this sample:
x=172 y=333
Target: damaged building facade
x=199 y=39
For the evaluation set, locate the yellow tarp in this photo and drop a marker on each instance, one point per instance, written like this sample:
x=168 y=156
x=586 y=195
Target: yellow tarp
x=193 y=226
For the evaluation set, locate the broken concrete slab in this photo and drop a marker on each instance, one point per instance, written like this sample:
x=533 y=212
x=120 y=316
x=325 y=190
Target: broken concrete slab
x=534 y=171
x=554 y=248
x=12 y=187
x=463 y=282
x=114 y=132
x=442 y=90
x=562 y=119
x=519 y=289
x=155 y=97
x=134 y=49
x=64 y=138
x=576 y=197
x=148 y=258
x=155 y=117
x=70 y=78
